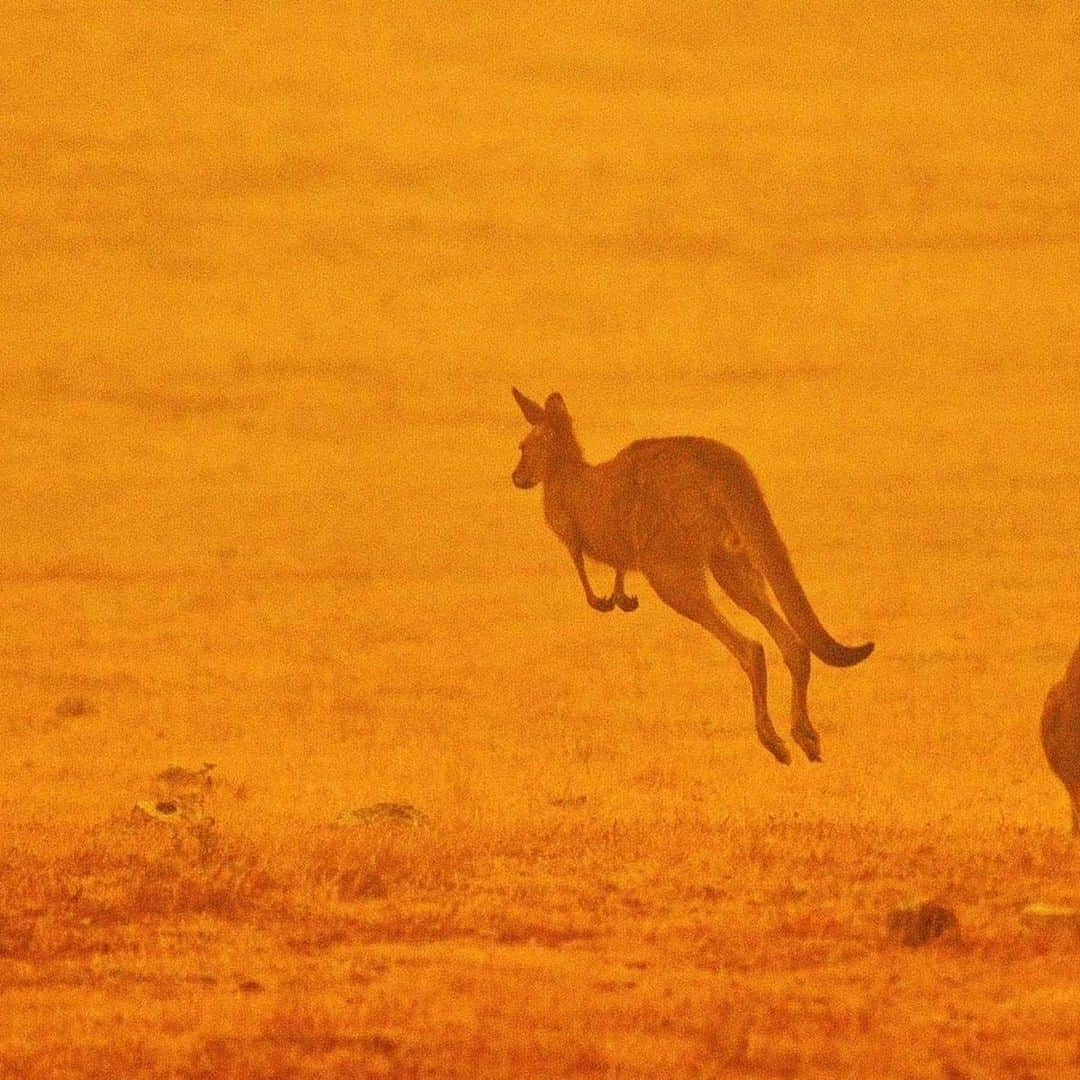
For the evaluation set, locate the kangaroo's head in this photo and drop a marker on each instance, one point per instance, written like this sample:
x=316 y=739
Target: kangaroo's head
x=550 y=443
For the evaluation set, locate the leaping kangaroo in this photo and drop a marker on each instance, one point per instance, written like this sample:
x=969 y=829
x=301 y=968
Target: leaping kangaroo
x=673 y=509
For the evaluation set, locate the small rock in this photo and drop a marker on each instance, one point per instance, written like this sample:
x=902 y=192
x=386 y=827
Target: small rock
x=383 y=813
x=178 y=776
x=919 y=923
x=167 y=810
x=1053 y=920
x=250 y=986
x=176 y=812
x=71 y=707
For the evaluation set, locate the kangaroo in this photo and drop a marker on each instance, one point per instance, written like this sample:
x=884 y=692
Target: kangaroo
x=1060 y=729
x=675 y=509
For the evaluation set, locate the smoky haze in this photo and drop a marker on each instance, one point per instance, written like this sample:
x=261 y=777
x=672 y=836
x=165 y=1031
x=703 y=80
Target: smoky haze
x=269 y=273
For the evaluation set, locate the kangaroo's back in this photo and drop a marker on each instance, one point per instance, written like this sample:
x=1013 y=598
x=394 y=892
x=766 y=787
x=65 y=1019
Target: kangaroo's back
x=687 y=491
x=691 y=479
x=696 y=496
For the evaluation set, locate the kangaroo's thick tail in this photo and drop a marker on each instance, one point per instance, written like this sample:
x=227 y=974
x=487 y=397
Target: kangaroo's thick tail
x=752 y=518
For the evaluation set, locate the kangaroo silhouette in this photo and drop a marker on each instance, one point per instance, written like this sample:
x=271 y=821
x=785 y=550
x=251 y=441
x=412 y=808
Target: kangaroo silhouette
x=676 y=509
x=1060 y=729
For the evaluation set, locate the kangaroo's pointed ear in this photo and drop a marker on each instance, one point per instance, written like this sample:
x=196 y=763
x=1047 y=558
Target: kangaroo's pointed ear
x=533 y=413
x=555 y=409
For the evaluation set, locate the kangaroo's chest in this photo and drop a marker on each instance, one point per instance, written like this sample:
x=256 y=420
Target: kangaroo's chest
x=558 y=515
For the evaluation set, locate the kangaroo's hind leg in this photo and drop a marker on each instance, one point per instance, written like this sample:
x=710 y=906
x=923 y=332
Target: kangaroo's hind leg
x=744 y=583
x=682 y=586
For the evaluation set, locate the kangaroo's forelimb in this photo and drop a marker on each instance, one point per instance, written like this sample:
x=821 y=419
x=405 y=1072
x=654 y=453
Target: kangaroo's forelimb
x=618 y=597
x=599 y=603
x=622 y=601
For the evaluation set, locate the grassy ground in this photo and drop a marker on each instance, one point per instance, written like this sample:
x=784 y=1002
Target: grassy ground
x=268 y=277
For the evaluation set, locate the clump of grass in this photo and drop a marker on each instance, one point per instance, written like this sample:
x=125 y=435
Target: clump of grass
x=122 y=872
x=364 y=863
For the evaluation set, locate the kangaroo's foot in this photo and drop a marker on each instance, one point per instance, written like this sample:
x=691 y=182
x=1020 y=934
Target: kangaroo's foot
x=773 y=743
x=602 y=603
x=808 y=740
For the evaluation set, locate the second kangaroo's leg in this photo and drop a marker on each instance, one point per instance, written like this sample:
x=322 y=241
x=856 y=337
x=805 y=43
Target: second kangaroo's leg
x=746 y=586
x=682 y=586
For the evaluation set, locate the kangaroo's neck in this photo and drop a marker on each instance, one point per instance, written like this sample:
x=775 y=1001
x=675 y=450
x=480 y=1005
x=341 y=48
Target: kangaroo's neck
x=566 y=451
x=566 y=462
x=564 y=477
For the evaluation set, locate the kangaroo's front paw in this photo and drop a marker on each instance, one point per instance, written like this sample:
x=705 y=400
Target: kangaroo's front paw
x=602 y=603
x=627 y=603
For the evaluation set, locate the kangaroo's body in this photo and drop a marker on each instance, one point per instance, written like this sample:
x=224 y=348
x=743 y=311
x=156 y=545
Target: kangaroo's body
x=678 y=509
x=1060 y=731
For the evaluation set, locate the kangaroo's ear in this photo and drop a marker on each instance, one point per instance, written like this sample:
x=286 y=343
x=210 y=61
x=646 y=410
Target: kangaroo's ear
x=533 y=413
x=555 y=408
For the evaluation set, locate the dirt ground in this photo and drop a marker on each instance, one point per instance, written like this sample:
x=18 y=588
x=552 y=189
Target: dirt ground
x=268 y=274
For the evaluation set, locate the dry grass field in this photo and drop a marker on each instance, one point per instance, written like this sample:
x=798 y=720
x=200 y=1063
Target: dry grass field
x=268 y=273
